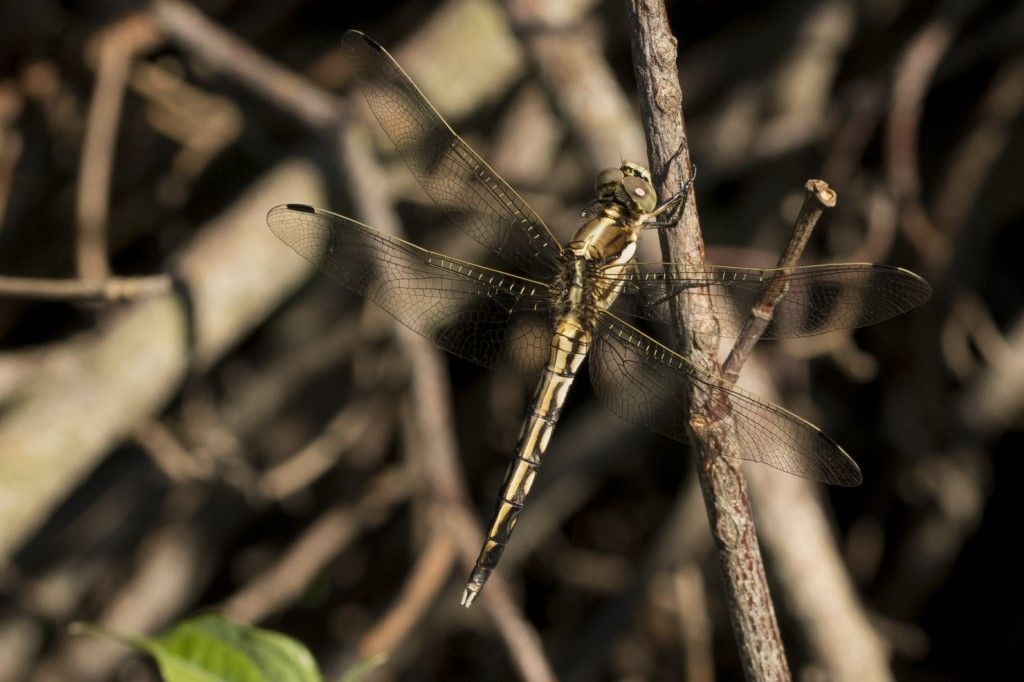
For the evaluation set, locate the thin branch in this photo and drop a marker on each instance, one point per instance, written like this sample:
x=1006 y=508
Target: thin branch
x=677 y=538
x=321 y=110
x=422 y=586
x=348 y=427
x=819 y=197
x=324 y=539
x=806 y=564
x=199 y=36
x=109 y=289
x=837 y=629
x=911 y=79
x=169 y=455
x=116 y=48
x=100 y=384
x=694 y=623
x=11 y=146
x=570 y=61
x=725 y=492
x=431 y=421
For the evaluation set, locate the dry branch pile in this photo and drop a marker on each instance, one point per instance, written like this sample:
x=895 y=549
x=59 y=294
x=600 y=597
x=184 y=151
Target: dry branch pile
x=190 y=419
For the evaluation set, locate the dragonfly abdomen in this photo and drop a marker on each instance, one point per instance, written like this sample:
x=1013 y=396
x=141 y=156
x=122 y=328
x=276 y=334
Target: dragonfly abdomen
x=569 y=346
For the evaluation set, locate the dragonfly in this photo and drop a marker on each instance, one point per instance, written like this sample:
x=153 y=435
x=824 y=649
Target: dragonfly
x=585 y=299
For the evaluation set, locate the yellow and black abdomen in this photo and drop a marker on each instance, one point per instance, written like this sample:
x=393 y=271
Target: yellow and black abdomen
x=604 y=244
x=569 y=346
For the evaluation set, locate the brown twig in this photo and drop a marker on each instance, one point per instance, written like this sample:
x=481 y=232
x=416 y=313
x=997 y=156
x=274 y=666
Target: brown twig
x=972 y=161
x=348 y=427
x=188 y=27
x=170 y=456
x=911 y=79
x=579 y=80
x=168 y=573
x=677 y=538
x=694 y=623
x=806 y=563
x=282 y=582
x=422 y=585
x=76 y=409
x=107 y=289
x=819 y=197
x=11 y=144
x=840 y=633
x=725 y=492
x=116 y=48
x=431 y=418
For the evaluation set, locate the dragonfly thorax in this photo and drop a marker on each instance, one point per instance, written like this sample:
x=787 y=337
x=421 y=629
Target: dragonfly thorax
x=609 y=237
x=625 y=201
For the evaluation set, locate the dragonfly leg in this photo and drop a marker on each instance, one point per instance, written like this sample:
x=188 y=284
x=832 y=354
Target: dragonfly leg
x=675 y=204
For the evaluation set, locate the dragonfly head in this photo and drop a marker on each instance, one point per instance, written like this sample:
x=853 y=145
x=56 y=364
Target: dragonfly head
x=629 y=185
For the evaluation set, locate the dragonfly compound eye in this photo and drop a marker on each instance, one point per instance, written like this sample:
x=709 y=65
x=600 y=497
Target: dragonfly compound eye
x=641 y=194
x=608 y=181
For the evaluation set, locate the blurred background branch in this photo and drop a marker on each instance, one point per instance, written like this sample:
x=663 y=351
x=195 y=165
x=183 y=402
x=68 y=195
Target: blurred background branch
x=188 y=420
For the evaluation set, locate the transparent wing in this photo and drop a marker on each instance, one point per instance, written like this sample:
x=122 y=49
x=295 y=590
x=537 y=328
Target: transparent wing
x=817 y=298
x=487 y=316
x=648 y=384
x=472 y=195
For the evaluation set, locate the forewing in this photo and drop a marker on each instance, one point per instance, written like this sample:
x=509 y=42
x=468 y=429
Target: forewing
x=816 y=298
x=648 y=384
x=493 y=318
x=474 y=197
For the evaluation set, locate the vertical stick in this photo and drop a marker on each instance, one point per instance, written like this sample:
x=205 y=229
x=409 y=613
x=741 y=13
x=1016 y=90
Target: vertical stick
x=725 y=491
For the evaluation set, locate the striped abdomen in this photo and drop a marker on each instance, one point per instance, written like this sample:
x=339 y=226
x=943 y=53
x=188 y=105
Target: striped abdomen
x=568 y=348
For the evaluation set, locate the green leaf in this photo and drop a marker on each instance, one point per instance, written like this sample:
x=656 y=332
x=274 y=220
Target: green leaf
x=211 y=648
x=360 y=670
